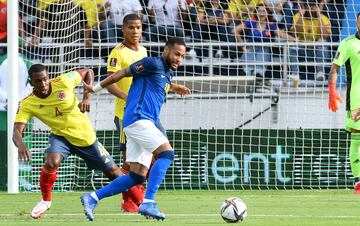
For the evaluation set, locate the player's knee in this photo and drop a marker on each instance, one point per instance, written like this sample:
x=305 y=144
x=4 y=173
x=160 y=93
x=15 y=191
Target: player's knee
x=52 y=161
x=51 y=164
x=138 y=179
x=167 y=155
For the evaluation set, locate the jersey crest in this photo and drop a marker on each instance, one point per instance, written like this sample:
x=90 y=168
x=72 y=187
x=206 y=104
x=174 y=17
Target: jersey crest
x=139 y=67
x=61 y=95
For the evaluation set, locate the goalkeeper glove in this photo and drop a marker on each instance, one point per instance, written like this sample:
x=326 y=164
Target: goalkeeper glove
x=334 y=97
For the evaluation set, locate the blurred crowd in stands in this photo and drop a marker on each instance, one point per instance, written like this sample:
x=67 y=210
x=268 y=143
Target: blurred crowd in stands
x=198 y=21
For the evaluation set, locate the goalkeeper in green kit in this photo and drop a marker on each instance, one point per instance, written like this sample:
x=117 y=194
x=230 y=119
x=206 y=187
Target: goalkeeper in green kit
x=348 y=53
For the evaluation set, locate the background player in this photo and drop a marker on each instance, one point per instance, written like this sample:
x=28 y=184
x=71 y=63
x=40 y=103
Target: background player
x=55 y=104
x=348 y=54
x=151 y=79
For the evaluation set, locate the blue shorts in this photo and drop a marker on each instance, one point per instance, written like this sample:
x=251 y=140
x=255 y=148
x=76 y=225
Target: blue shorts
x=122 y=138
x=95 y=155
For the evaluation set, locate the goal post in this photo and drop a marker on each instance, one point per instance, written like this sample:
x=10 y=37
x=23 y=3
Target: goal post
x=13 y=77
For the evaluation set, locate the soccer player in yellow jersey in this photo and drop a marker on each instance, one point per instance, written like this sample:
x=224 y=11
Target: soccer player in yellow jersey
x=122 y=56
x=54 y=102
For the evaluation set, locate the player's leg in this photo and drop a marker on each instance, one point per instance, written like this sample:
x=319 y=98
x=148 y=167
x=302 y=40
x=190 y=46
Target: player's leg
x=164 y=157
x=57 y=150
x=355 y=159
x=354 y=154
x=118 y=185
x=132 y=198
x=151 y=140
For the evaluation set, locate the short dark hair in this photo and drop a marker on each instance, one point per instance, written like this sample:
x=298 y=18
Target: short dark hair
x=36 y=68
x=132 y=16
x=357 y=16
x=175 y=40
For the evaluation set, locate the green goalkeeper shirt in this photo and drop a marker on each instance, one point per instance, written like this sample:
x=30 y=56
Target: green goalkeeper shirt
x=348 y=53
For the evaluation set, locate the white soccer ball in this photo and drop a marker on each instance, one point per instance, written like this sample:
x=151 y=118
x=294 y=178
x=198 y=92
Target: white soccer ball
x=233 y=210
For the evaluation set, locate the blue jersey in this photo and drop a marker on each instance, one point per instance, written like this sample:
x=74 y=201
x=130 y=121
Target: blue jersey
x=255 y=35
x=151 y=82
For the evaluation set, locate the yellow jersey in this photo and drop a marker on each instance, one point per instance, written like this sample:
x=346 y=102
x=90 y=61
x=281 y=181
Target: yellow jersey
x=122 y=57
x=310 y=31
x=236 y=7
x=90 y=8
x=60 y=111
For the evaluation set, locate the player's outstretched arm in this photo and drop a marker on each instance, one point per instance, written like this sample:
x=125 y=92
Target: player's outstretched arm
x=87 y=76
x=333 y=95
x=109 y=80
x=24 y=154
x=180 y=89
x=115 y=90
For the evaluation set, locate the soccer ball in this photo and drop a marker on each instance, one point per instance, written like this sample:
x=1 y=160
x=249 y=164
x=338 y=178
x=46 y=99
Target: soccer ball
x=233 y=210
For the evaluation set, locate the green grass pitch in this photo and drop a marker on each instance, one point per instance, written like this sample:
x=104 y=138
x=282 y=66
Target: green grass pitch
x=265 y=208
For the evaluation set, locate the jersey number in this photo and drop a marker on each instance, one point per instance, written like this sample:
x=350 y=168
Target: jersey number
x=58 y=112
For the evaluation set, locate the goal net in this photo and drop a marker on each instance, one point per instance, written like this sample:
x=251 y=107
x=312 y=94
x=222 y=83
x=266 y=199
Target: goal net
x=257 y=117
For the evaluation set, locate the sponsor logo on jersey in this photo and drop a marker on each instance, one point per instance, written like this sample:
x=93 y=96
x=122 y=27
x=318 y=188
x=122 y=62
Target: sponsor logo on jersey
x=113 y=62
x=61 y=95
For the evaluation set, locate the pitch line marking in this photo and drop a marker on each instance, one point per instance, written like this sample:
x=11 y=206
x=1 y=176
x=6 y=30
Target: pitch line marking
x=190 y=215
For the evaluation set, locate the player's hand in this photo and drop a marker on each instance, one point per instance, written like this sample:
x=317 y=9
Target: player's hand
x=23 y=154
x=334 y=98
x=84 y=105
x=181 y=90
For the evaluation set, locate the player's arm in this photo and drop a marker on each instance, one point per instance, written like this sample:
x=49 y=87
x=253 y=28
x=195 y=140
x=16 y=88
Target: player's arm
x=115 y=90
x=17 y=138
x=109 y=80
x=333 y=95
x=87 y=75
x=180 y=89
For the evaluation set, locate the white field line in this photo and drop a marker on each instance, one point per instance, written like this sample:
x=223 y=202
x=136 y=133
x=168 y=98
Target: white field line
x=193 y=215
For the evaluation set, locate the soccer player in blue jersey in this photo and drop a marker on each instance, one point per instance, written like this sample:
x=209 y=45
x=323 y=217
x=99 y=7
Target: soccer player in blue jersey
x=151 y=82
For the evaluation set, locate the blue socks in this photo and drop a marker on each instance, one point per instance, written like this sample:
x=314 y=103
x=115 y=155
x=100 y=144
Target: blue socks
x=157 y=173
x=120 y=184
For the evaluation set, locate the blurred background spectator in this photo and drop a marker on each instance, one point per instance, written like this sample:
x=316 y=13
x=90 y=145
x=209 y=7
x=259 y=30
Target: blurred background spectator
x=55 y=17
x=115 y=11
x=310 y=25
x=166 y=16
x=258 y=29
x=241 y=10
x=211 y=24
x=3 y=26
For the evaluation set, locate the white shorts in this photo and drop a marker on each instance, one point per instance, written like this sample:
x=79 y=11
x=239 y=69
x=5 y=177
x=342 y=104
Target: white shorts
x=143 y=138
